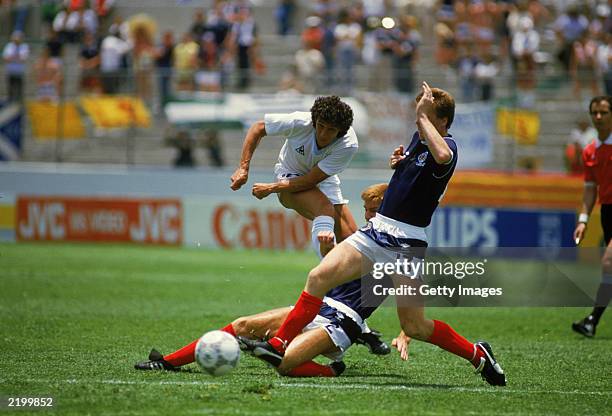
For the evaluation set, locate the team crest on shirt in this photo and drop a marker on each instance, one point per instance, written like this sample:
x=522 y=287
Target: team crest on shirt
x=300 y=150
x=421 y=159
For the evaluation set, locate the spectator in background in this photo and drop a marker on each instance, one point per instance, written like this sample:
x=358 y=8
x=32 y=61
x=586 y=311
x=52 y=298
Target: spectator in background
x=89 y=62
x=525 y=44
x=569 y=27
x=243 y=44
x=49 y=9
x=328 y=49
x=55 y=46
x=310 y=63
x=48 y=76
x=463 y=23
x=163 y=57
x=405 y=54
x=583 y=64
x=112 y=51
x=185 y=63
x=348 y=46
x=198 y=27
x=486 y=70
x=371 y=53
x=219 y=24
x=466 y=69
x=604 y=62
x=446 y=49
x=15 y=56
x=284 y=16
x=313 y=32
x=580 y=137
x=19 y=14
x=71 y=23
x=484 y=15
x=208 y=78
x=143 y=55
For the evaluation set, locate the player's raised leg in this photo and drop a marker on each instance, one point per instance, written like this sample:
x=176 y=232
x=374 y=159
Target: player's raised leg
x=342 y=264
x=314 y=205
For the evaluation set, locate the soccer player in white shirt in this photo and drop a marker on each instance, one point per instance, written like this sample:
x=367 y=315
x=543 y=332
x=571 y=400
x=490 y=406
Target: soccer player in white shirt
x=318 y=146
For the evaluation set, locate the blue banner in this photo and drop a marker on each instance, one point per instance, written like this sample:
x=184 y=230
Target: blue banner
x=492 y=227
x=10 y=131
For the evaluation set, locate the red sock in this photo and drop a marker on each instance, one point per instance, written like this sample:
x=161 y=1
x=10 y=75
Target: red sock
x=229 y=329
x=186 y=354
x=312 y=369
x=304 y=311
x=446 y=338
x=183 y=356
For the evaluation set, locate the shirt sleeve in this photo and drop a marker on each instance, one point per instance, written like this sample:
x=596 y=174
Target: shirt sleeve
x=337 y=161
x=589 y=174
x=283 y=124
x=442 y=170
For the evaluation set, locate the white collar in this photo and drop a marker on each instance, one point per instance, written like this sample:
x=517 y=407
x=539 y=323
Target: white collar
x=607 y=141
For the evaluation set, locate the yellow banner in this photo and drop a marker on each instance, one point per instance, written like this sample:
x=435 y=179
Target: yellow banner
x=48 y=124
x=117 y=111
x=521 y=125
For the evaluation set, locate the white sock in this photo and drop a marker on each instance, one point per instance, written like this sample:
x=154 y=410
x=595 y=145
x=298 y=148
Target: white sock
x=320 y=223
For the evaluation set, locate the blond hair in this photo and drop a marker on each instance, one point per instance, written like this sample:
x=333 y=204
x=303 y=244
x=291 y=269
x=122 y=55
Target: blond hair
x=374 y=193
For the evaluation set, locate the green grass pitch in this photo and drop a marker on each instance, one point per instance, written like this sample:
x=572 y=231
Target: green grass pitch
x=75 y=318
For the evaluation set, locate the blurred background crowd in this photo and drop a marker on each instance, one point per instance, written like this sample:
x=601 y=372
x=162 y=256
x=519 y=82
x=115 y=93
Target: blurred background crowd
x=526 y=52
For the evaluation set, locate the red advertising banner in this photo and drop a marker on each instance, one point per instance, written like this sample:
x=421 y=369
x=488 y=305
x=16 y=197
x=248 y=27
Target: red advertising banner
x=144 y=221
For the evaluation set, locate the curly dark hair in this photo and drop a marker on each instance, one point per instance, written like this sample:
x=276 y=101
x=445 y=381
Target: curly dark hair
x=334 y=111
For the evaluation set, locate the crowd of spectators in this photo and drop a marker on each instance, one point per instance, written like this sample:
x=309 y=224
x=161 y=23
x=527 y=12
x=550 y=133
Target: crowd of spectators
x=475 y=41
x=117 y=55
x=472 y=33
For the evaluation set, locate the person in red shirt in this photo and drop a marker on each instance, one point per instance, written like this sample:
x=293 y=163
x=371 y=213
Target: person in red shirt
x=597 y=157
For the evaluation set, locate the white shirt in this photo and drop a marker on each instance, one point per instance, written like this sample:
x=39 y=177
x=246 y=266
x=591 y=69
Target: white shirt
x=111 y=52
x=300 y=152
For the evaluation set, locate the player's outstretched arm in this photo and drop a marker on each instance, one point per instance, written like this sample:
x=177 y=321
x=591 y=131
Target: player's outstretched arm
x=438 y=147
x=589 y=197
x=297 y=184
x=254 y=135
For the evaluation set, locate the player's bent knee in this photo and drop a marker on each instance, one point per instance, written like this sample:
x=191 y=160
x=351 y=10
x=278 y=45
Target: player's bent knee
x=317 y=281
x=241 y=326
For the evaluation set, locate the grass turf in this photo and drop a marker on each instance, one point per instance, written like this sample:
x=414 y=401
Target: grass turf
x=76 y=317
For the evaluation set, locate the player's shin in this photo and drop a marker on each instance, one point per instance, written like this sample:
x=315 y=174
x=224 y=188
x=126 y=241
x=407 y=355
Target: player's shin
x=321 y=224
x=448 y=339
x=185 y=355
x=305 y=310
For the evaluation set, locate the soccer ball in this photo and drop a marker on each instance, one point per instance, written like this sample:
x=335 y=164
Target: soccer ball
x=217 y=352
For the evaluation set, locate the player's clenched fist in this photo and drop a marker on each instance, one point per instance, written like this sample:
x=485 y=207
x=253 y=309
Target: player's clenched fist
x=397 y=156
x=262 y=190
x=239 y=178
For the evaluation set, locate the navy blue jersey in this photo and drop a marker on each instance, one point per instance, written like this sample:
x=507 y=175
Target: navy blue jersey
x=418 y=184
x=351 y=295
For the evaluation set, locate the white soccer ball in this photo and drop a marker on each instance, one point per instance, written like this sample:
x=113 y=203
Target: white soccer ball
x=217 y=352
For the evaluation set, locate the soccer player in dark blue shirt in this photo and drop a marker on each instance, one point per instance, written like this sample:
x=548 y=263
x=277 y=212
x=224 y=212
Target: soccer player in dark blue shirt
x=422 y=172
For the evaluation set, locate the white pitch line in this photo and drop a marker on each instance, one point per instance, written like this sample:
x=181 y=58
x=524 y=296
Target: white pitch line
x=331 y=386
